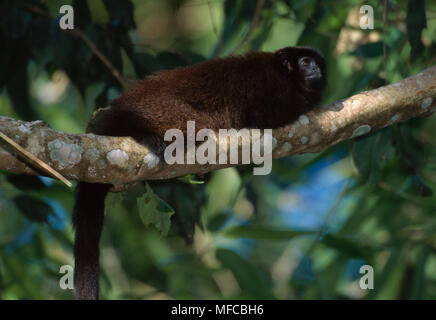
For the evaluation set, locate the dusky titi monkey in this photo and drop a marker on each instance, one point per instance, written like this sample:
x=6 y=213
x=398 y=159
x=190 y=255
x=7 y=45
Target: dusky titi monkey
x=258 y=90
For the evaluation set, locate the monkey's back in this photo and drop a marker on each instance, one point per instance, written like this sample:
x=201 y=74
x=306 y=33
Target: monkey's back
x=250 y=91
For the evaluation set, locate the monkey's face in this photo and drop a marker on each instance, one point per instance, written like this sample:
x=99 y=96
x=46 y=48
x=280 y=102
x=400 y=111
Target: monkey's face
x=310 y=73
x=306 y=65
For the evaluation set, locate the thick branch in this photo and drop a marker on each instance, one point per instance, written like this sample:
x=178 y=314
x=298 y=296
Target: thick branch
x=92 y=158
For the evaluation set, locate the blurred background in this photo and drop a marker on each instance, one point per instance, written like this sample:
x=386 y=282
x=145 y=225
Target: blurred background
x=302 y=232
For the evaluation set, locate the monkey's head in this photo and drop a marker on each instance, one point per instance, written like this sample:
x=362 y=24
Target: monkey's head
x=305 y=64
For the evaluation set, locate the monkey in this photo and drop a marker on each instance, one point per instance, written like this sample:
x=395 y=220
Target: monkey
x=257 y=90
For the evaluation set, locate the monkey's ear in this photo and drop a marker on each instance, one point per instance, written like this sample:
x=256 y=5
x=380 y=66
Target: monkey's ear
x=285 y=60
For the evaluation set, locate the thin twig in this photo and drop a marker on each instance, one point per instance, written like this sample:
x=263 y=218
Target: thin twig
x=37 y=161
x=99 y=55
x=256 y=19
x=84 y=38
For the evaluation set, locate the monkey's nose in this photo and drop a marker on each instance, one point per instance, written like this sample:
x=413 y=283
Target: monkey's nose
x=315 y=70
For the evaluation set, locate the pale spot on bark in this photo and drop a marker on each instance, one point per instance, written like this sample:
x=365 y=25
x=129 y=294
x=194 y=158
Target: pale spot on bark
x=92 y=172
x=426 y=103
x=286 y=147
x=303 y=120
x=33 y=145
x=92 y=154
x=151 y=160
x=66 y=154
x=364 y=129
x=117 y=157
x=395 y=118
x=25 y=128
x=315 y=138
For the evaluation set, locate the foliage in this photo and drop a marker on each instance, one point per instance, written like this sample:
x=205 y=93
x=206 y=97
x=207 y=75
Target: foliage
x=302 y=232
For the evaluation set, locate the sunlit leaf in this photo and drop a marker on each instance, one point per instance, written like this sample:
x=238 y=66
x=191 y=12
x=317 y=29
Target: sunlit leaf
x=154 y=211
x=189 y=178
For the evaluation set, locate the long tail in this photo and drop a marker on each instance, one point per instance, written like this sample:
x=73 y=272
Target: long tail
x=88 y=222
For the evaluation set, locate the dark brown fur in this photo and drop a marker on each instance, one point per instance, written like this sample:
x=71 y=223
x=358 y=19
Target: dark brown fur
x=251 y=91
x=258 y=90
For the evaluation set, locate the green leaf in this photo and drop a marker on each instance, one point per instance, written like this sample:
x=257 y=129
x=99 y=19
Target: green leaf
x=416 y=21
x=372 y=153
x=303 y=274
x=261 y=232
x=420 y=280
x=121 y=13
x=217 y=221
x=145 y=63
x=32 y=208
x=17 y=86
x=388 y=282
x=154 y=211
x=238 y=15
x=312 y=23
x=98 y=11
x=53 y=6
x=25 y=182
x=370 y=50
x=349 y=247
x=188 y=201
x=254 y=284
x=82 y=16
x=423 y=188
x=171 y=60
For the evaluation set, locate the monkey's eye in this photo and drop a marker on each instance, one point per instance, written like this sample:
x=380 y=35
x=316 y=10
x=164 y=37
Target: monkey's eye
x=305 y=61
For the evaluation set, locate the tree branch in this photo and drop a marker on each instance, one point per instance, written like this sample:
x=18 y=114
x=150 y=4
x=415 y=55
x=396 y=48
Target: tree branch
x=118 y=160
